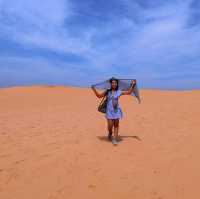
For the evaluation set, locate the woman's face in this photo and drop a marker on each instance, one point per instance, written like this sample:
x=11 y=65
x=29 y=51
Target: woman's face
x=114 y=84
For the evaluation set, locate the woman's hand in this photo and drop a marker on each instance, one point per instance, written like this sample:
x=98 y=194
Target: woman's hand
x=133 y=82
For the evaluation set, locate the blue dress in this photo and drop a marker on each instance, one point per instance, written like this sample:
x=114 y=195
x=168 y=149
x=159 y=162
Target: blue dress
x=113 y=110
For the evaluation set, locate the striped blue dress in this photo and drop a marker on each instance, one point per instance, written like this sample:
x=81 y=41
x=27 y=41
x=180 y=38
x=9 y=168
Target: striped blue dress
x=113 y=110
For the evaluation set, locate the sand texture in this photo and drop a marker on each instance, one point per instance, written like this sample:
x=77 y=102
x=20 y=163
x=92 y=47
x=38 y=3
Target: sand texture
x=53 y=145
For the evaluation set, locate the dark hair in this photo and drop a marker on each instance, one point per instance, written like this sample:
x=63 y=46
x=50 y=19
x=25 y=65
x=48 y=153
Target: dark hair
x=114 y=79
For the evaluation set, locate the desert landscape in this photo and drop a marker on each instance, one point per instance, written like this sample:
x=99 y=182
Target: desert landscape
x=53 y=145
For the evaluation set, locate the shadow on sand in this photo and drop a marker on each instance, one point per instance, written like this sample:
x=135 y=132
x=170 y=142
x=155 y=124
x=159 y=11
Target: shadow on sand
x=121 y=138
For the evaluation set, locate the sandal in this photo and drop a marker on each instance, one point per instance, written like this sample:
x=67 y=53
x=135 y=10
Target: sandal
x=114 y=142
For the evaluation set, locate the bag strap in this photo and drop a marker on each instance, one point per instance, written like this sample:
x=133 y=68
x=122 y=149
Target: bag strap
x=104 y=96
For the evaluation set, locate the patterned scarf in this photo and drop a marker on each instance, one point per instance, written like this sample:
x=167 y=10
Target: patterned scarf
x=123 y=84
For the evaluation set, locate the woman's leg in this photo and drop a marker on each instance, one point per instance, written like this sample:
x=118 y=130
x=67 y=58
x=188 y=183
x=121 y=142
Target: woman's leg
x=110 y=127
x=116 y=128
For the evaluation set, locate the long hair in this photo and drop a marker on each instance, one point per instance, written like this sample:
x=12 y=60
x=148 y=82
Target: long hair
x=113 y=79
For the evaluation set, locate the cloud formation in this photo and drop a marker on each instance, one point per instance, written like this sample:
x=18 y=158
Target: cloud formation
x=80 y=42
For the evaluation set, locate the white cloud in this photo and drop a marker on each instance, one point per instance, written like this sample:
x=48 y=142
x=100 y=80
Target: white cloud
x=37 y=13
x=158 y=46
x=40 y=24
x=21 y=70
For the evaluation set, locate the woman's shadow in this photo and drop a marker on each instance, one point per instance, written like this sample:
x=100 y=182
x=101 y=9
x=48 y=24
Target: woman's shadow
x=121 y=138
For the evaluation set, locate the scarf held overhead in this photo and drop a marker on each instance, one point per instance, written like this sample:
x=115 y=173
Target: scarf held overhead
x=123 y=84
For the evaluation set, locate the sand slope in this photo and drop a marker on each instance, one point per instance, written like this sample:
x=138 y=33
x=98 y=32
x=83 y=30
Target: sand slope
x=53 y=145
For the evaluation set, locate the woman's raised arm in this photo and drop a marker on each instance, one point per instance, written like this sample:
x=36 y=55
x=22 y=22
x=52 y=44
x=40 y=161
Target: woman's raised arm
x=99 y=95
x=130 y=90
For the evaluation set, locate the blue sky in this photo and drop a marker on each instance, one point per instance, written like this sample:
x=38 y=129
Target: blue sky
x=81 y=42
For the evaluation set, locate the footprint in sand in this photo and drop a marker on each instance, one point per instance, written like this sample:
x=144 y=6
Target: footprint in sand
x=156 y=194
x=45 y=155
x=92 y=186
x=97 y=170
x=12 y=176
x=19 y=161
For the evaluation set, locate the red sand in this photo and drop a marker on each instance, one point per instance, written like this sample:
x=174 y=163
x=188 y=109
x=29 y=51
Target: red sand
x=53 y=145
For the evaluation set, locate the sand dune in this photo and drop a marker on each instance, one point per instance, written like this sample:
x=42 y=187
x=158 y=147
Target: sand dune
x=53 y=145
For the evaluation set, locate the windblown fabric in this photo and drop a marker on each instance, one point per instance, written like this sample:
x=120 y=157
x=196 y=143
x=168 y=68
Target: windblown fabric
x=123 y=84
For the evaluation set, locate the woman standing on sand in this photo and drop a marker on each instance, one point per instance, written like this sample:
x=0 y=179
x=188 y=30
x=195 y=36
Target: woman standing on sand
x=113 y=110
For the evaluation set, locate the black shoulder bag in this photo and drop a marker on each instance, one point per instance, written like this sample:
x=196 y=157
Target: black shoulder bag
x=103 y=104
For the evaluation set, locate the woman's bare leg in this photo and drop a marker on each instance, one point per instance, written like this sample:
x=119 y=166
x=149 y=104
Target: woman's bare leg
x=116 y=128
x=110 y=126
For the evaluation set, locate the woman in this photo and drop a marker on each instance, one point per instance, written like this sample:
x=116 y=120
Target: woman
x=113 y=110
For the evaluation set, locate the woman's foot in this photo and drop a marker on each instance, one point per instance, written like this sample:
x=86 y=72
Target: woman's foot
x=114 y=141
x=118 y=138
